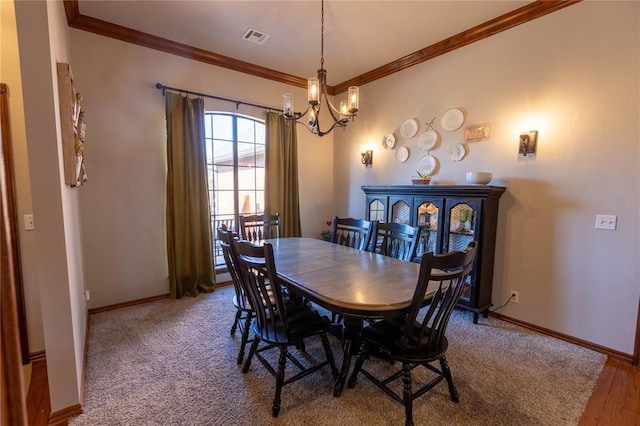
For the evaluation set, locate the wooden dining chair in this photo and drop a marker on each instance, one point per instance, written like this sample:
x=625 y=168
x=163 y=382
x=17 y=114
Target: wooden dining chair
x=244 y=311
x=419 y=337
x=260 y=227
x=278 y=324
x=396 y=240
x=352 y=232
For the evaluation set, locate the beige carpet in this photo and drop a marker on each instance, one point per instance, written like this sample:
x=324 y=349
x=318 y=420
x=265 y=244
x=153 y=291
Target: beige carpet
x=172 y=362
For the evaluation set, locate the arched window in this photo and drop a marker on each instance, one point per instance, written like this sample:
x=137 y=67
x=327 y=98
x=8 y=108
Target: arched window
x=235 y=167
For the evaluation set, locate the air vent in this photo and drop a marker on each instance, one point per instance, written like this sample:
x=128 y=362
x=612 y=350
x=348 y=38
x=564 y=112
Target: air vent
x=255 y=36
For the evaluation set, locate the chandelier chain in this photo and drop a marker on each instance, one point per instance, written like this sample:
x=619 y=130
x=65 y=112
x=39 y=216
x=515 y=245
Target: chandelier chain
x=322 y=36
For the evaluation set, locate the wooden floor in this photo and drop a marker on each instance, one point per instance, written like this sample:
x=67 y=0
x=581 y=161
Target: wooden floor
x=38 y=403
x=616 y=397
x=615 y=400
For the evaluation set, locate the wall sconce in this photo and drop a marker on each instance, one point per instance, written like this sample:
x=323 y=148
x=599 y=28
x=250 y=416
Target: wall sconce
x=367 y=155
x=528 y=142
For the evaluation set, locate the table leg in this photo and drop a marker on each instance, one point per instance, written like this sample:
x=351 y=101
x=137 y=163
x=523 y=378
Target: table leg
x=350 y=346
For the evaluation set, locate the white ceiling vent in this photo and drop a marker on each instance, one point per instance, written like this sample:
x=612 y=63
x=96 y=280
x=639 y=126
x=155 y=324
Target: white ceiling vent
x=255 y=36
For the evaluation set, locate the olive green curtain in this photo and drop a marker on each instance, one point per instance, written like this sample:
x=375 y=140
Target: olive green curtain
x=281 y=173
x=189 y=239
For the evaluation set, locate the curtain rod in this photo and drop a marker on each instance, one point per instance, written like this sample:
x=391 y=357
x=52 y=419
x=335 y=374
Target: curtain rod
x=235 y=101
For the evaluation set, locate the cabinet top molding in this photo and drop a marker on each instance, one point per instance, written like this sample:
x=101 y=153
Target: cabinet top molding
x=448 y=190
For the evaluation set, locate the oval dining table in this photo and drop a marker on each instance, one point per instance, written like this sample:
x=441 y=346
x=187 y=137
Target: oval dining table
x=355 y=284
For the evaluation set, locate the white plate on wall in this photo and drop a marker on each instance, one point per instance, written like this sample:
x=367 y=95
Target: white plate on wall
x=389 y=141
x=452 y=119
x=456 y=152
x=409 y=128
x=402 y=154
x=427 y=165
x=428 y=140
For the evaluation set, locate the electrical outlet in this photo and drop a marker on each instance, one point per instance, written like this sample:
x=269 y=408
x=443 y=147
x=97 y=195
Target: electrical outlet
x=606 y=221
x=515 y=296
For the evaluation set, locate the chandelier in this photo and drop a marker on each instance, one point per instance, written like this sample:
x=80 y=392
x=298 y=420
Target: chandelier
x=316 y=92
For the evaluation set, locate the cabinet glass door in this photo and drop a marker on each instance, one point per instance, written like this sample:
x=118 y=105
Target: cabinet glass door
x=462 y=226
x=428 y=221
x=400 y=211
x=461 y=230
x=376 y=210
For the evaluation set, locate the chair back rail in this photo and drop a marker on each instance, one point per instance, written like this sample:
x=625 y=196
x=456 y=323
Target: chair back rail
x=260 y=227
x=352 y=232
x=396 y=240
x=225 y=237
x=451 y=272
x=257 y=267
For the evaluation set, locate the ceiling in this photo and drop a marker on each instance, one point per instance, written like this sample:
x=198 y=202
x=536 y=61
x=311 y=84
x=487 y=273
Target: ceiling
x=359 y=36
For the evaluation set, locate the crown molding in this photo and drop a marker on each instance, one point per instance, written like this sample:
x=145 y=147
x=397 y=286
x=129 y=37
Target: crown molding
x=504 y=22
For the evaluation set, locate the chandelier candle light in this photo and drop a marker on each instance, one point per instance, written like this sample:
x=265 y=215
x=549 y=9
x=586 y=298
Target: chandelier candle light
x=316 y=91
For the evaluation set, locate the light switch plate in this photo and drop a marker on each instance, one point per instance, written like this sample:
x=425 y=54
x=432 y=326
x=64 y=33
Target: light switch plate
x=606 y=221
x=28 y=222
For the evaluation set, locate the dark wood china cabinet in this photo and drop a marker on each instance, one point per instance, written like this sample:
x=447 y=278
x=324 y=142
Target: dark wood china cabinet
x=449 y=217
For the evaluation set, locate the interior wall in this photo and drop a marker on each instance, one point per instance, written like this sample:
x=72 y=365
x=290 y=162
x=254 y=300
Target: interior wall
x=42 y=42
x=573 y=76
x=123 y=203
x=10 y=74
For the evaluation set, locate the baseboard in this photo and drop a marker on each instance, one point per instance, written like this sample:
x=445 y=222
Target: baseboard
x=61 y=417
x=598 y=348
x=126 y=304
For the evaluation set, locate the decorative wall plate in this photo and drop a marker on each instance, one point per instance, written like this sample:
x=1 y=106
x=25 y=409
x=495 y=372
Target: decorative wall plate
x=409 y=128
x=389 y=141
x=427 y=165
x=428 y=140
x=452 y=119
x=402 y=154
x=456 y=152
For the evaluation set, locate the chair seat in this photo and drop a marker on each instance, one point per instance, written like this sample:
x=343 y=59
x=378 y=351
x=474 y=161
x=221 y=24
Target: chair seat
x=244 y=304
x=388 y=334
x=302 y=322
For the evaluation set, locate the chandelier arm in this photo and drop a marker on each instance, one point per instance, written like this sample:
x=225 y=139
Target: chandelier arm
x=340 y=123
x=333 y=111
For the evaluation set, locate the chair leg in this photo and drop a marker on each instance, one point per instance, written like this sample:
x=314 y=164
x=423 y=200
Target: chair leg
x=329 y=354
x=245 y=336
x=447 y=374
x=358 y=366
x=408 y=395
x=252 y=351
x=236 y=321
x=282 y=361
x=301 y=346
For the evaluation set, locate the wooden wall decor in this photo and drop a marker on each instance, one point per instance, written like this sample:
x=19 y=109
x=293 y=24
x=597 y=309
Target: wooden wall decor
x=72 y=127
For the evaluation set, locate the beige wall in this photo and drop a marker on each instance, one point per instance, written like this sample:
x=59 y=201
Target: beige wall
x=10 y=74
x=57 y=258
x=123 y=202
x=573 y=75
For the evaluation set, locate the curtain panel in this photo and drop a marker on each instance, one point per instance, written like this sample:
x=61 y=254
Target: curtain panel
x=281 y=173
x=188 y=218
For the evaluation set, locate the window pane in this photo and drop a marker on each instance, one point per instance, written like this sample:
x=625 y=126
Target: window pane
x=260 y=133
x=222 y=127
x=246 y=130
x=251 y=202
